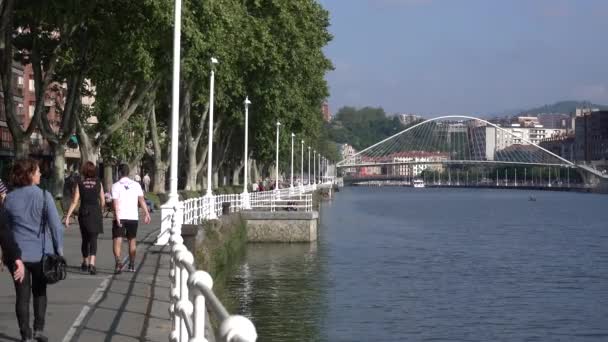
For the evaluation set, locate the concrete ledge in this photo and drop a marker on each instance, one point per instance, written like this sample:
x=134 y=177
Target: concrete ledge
x=280 y=226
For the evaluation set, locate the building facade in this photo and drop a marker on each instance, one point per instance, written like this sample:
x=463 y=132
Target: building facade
x=591 y=136
x=487 y=140
x=562 y=146
x=409 y=119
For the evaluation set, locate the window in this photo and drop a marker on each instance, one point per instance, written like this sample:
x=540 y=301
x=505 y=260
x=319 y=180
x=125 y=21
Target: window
x=19 y=82
x=31 y=110
x=31 y=85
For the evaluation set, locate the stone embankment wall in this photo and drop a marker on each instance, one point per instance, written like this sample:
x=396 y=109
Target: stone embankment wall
x=281 y=226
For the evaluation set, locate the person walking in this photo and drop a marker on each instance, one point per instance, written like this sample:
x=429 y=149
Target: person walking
x=24 y=209
x=89 y=191
x=147 y=182
x=126 y=196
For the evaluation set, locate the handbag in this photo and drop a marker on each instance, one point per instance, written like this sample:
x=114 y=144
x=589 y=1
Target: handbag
x=54 y=266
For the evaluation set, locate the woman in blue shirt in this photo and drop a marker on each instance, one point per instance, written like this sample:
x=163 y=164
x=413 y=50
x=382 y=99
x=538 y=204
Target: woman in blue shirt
x=23 y=208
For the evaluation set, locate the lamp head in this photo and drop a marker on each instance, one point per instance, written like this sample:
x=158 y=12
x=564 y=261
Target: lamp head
x=278 y=124
x=247 y=102
x=293 y=135
x=214 y=60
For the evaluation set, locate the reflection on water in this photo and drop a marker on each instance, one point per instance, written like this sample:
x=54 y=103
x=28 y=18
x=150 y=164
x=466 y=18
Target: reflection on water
x=279 y=286
x=402 y=264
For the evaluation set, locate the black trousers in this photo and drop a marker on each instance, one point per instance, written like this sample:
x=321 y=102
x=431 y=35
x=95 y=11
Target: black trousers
x=89 y=242
x=35 y=284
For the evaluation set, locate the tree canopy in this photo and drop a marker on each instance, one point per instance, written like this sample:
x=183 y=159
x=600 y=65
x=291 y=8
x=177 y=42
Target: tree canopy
x=363 y=127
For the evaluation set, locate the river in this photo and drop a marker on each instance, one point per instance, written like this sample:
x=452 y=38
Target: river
x=404 y=264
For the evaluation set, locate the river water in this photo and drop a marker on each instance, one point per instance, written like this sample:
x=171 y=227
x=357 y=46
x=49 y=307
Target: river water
x=404 y=264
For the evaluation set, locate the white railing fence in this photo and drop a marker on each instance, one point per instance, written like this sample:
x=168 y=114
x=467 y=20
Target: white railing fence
x=191 y=290
x=191 y=295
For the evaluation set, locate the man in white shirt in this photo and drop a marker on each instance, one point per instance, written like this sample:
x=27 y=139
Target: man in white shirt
x=126 y=196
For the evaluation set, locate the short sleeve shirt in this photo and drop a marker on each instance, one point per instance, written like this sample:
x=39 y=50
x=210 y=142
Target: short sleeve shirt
x=127 y=193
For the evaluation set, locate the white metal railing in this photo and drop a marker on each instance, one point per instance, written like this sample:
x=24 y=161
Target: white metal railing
x=196 y=210
x=272 y=202
x=191 y=295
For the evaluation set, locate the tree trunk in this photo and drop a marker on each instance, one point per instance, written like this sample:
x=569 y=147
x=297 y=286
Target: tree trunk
x=58 y=175
x=21 y=148
x=107 y=176
x=193 y=139
x=88 y=150
x=160 y=164
x=160 y=174
x=215 y=179
x=255 y=172
x=237 y=173
x=191 y=171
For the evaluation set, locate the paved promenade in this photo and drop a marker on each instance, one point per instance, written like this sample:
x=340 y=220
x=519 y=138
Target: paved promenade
x=104 y=307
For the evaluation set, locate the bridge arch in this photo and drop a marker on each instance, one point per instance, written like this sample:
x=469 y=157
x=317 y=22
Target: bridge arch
x=380 y=152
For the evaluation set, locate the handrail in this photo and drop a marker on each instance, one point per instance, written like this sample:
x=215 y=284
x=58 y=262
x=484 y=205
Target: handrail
x=188 y=316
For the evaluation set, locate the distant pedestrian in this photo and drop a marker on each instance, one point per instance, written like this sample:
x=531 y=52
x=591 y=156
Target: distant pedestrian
x=126 y=195
x=24 y=210
x=137 y=178
x=89 y=191
x=147 y=182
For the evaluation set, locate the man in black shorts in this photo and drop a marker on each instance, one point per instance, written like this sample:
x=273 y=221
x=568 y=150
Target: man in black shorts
x=126 y=196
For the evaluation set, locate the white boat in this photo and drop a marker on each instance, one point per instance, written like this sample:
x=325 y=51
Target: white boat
x=418 y=183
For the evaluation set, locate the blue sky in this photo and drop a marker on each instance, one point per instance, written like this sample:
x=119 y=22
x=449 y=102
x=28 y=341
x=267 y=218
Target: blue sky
x=466 y=56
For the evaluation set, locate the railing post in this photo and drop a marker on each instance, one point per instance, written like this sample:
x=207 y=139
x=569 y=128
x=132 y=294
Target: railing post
x=196 y=279
x=178 y=246
x=184 y=256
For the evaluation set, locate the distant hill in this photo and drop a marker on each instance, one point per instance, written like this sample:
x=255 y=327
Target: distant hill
x=566 y=107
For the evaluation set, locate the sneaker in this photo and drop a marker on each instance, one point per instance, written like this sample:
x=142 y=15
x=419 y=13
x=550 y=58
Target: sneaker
x=92 y=270
x=131 y=267
x=39 y=337
x=118 y=269
x=84 y=267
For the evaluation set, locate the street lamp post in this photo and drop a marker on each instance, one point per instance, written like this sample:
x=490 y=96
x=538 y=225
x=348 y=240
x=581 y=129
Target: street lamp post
x=302 y=167
x=314 y=167
x=173 y=200
x=292 y=136
x=245 y=196
x=324 y=164
x=320 y=175
x=276 y=182
x=209 y=194
x=308 y=165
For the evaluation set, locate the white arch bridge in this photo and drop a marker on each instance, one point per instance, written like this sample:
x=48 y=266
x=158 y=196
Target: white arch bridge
x=444 y=145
